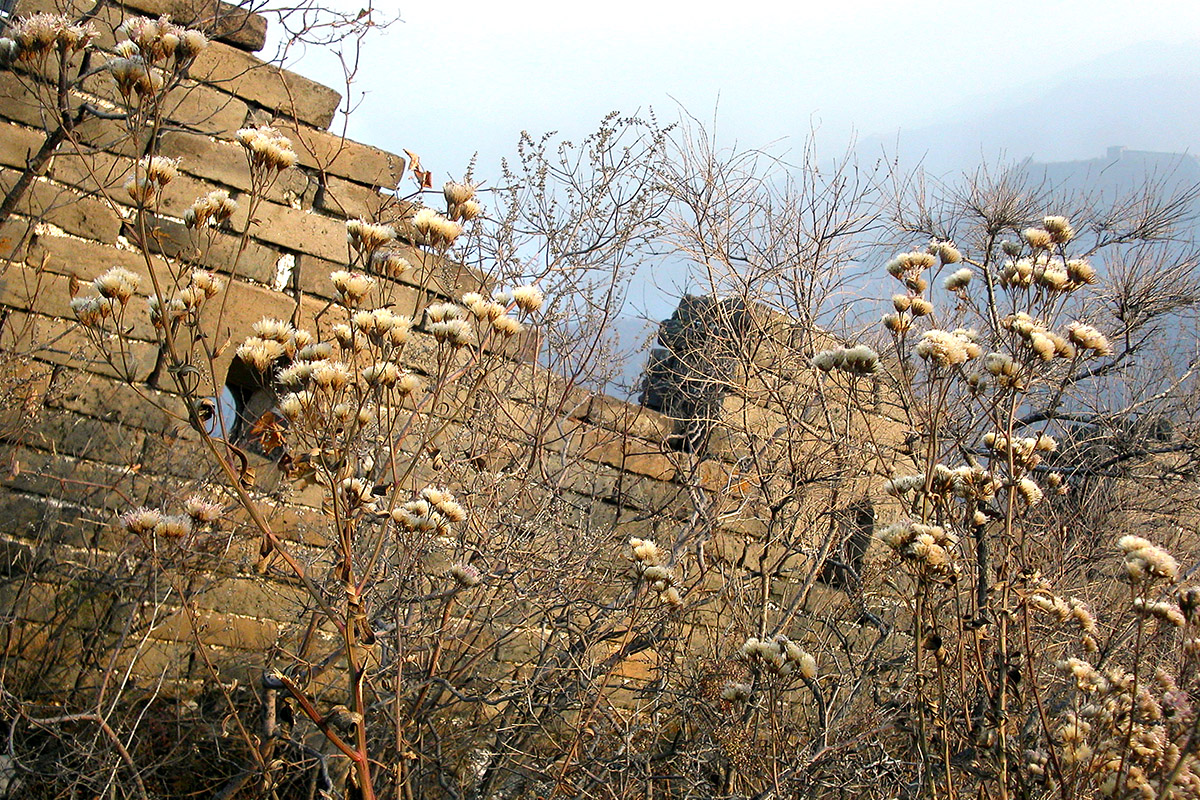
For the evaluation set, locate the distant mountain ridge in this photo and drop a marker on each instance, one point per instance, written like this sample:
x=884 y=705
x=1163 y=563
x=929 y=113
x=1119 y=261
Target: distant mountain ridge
x=1144 y=97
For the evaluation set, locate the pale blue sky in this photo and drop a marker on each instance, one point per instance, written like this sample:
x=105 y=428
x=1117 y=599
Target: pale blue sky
x=454 y=78
x=957 y=77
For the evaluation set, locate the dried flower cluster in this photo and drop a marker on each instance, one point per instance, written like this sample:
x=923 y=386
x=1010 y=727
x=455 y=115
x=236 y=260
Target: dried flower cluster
x=780 y=656
x=461 y=205
x=214 y=208
x=1146 y=562
x=430 y=229
x=150 y=524
x=1072 y=610
x=857 y=360
x=435 y=510
x=928 y=547
x=650 y=565
x=948 y=349
x=1043 y=342
x=1127 y=737
x=153 y=45
x=268 y=150
x=35 y=37
x=367 y=237
x=114 y=290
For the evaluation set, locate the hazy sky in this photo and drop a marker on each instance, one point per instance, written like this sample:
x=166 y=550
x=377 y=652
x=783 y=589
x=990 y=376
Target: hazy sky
x=960 y=77
x=451 y=79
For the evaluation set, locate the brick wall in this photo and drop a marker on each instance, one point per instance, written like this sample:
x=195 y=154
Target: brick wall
x=84 y=438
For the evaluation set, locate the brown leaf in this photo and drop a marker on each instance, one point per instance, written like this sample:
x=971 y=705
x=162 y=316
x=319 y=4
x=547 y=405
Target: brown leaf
x=424 y=178
x=268 y=431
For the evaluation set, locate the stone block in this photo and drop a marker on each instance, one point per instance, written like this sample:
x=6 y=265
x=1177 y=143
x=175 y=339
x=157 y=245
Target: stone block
x=75 y=213
x=225 y=22
x=18 y=144
x=213 y=249
x=36 y=110
x=112 y=401
x=277 y=90
x=224 y=161
x=630 y=419
x=87 y=437
x=61 y=341
x=191 y=105
x=351 y=200
x=608 y=447
x=96 y=486
x=15 y=233
x=329 y=153
x=297 y=230
x=41 y=522
x=216 y=628
x=257 y=597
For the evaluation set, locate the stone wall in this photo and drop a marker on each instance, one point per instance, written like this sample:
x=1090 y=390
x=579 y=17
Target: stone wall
x=83 y=442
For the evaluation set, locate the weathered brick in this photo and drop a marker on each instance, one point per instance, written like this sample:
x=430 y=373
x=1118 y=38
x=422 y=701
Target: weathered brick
x=630 y=419
x=607 y=447
x=216 y=250
x=113 y=401
x=37 y=111
x=254 y=597
x=49 y=293
x=18 y=144
x=87 y=483
x=352 y=200
x=277 y=90
x=178 y=452
x=297 y=230
x=223 y=21
x=87 y=437
x=15 y=233
x=60 y=341
x=69 y=210
x=224 y=162
x=86 y=260
x=339 y=156
x=216 y=628
x=190 y=105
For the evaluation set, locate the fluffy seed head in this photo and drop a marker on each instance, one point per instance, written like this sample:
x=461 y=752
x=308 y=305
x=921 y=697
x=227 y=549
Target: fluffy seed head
x=434 y=230
x=202 y=511
x=141 y=520
x=1038 y=238
x=260 y=353
x=921 y=307
x=1059 y=229
x=958 y=280
x=946 y=252
x=1089 y=338
x=528 y=298
x=942 y=348
x=117 y=284
x=352 y=286
x=390 y=264
x=364 y=235
x=465 y=575
x=457 y=193
x=1080 y=271
x=507 y=326
x=455 y=332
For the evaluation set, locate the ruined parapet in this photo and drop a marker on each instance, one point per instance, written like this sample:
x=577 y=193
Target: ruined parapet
x=694 y=366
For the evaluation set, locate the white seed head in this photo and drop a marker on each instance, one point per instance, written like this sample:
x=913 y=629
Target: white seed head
x=958 y=280
x=528 y=298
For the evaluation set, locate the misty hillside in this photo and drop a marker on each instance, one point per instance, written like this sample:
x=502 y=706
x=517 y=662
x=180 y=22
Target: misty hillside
x=1142 y=98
